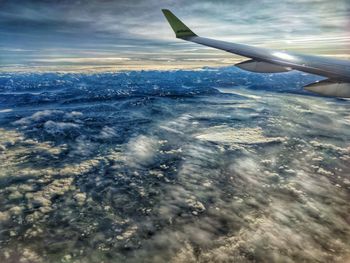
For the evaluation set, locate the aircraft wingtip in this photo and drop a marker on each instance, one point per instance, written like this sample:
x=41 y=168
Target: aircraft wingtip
x=180 y=29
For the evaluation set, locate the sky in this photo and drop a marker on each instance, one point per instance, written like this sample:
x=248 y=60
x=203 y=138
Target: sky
x=106 y=35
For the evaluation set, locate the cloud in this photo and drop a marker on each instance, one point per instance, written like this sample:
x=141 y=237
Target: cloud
x=126 y=28
x=56 y=128
x=230 y=135
x=141 y=150
x=108 y=133
x=46 y=115
x=39 y=116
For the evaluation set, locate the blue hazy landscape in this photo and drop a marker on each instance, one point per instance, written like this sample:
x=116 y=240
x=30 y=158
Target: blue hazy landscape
x=210 y=165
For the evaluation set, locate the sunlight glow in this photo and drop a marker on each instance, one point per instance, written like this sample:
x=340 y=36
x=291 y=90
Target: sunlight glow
x=283 y=55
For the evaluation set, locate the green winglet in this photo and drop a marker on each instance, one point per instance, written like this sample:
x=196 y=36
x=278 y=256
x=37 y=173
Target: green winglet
x=180 y=29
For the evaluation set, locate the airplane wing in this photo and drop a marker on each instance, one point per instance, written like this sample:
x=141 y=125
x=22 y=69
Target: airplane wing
x=265 y=60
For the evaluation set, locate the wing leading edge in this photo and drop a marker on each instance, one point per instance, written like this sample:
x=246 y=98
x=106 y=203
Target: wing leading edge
x=265 y=60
